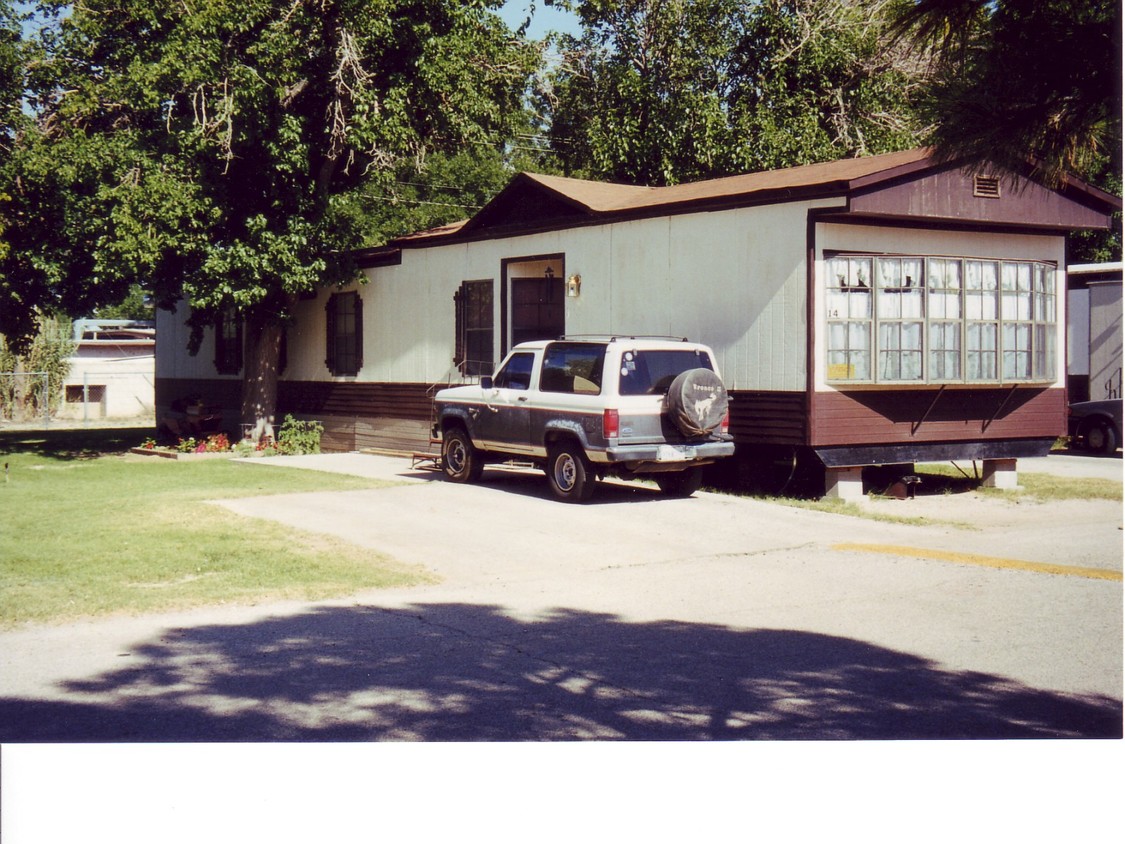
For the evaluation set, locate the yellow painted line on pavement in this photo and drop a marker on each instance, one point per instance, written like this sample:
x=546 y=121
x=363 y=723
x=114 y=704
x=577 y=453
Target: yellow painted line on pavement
x=979 y=560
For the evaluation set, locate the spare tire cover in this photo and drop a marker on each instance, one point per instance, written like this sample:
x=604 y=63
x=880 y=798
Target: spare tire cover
x=696 y=402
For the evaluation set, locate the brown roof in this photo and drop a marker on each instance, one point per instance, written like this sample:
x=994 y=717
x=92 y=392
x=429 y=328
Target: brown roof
x=437 y=231
x=601 y=197
x=533 y=199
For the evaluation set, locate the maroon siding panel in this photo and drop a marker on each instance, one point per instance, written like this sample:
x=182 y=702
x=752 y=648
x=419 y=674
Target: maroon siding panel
x=948 y=194
x=359 y=415
x=351 y=398
x=773 y=418
x=905 y=416
x=355 y=415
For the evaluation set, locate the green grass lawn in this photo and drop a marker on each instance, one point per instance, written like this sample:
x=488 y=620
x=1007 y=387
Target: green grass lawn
x=88 y=530
x=1032 y=485
x=947 y=479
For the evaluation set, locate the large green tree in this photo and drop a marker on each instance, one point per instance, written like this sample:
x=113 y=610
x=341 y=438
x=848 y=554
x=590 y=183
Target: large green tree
x=211 y=150
x=1020 y=79
x=11 y=93
x=663 y=91
x=11 y=70
x=639 y=95
x=818 y=80
x=1019 y=82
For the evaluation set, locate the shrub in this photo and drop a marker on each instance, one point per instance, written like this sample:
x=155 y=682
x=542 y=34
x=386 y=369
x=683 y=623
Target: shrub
x=299 y=436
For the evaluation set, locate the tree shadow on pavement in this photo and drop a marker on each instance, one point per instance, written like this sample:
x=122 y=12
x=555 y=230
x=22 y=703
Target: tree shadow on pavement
x=460 y=672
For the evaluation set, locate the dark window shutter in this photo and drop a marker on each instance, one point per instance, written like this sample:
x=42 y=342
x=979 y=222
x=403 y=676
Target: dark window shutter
x=358 y=360
x=459 y=326
x=330 y=335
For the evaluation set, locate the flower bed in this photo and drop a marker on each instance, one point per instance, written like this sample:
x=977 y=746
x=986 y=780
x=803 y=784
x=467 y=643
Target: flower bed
x=215 y=445
x=172 y=454
x=295 y=437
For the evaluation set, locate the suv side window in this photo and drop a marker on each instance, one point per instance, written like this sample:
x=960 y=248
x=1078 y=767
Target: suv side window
x=516 y=373
x=573 y=368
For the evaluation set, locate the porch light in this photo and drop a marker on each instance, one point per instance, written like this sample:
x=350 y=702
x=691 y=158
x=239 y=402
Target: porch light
x=574 y=286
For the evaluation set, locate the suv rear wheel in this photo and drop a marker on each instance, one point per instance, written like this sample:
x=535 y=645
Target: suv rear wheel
x=569 y=473
x=680 y=484
x=459 y=459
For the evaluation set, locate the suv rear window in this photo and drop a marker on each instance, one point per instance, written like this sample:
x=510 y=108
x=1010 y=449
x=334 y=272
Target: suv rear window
x=652 y=372
x=573 y=368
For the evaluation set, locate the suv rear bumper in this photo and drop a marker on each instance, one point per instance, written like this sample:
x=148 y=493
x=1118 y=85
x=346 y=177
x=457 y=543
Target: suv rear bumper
x=664 y=453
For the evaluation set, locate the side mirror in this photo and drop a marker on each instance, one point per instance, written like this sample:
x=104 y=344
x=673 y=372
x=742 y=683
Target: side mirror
x=486 y=382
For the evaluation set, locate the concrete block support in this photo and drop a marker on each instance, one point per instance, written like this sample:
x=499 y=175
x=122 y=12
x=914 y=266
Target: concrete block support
x=844 y=482
x=1000 y=474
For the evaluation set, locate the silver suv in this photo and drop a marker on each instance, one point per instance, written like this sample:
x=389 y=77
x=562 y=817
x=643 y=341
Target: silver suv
x=582 y=408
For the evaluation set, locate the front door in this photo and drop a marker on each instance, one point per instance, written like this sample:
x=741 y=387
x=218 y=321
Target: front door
x=538 y=309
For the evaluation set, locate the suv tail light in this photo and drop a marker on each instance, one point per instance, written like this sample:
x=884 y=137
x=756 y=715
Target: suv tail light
x=611 y=423
x=724 y=426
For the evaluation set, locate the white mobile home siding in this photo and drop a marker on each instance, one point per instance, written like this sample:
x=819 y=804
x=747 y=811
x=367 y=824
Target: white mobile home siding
x=734 y=280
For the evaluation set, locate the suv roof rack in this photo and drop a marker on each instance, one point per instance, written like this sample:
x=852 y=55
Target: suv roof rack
x=615 y=337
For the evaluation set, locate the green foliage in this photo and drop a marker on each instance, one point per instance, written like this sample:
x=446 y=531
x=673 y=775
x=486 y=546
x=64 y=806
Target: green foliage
x=638 y=96
x=299 y=436
x=1021 y=82
x=31 y=379
x=663 y=92
x=136 y=306
x=821 y=80
x=204 y=150
x=1023 y=79
x=11 y=71
x=11 y=90
x=412 y=198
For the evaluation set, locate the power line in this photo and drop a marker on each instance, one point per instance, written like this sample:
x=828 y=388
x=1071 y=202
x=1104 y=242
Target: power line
x=396 y=199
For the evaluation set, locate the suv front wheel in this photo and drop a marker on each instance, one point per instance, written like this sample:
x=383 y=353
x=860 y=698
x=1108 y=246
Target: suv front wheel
x=569 y=473
x=459 y=459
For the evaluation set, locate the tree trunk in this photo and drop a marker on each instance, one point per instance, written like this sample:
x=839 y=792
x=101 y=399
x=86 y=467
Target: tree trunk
x=259 y=379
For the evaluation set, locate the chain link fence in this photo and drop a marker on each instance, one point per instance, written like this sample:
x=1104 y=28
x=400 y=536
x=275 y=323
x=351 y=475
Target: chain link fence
x=26 y=397
x=34 y=399
x=93 y=395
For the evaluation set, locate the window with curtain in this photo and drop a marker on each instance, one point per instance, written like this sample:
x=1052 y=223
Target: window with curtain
x=928 y=319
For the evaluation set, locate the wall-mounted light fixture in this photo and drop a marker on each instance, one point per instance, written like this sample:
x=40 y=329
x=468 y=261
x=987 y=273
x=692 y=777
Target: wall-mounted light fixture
x=574 y=286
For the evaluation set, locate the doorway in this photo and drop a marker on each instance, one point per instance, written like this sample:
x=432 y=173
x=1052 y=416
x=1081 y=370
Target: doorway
x=538 y=309
x=534 y=300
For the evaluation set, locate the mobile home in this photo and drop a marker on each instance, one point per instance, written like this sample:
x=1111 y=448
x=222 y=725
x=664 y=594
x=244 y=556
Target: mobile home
x=866 y=312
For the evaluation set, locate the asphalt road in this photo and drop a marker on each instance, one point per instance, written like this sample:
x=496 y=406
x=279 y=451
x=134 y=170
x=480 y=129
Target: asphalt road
x=634 y=617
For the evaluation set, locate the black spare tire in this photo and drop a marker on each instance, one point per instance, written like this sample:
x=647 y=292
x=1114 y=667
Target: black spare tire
x=696 y=402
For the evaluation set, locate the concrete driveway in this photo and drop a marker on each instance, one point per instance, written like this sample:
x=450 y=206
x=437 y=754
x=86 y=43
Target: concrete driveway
x=633 y=617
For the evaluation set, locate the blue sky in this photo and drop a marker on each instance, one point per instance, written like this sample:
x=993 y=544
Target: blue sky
x=544 y=18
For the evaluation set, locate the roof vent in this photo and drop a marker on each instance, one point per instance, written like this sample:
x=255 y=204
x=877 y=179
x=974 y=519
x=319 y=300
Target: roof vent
x=987 y=187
